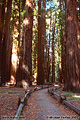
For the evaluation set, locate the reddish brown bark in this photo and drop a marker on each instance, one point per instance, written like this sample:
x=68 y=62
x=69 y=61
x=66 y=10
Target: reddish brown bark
x=27 y=41
x=2 y=13
x=39 y=70
x=41 y=40
x=53 y=58
x=5 y=53
x=48 y=60
x=72 y=56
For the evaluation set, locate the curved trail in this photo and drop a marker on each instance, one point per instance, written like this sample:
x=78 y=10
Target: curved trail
x=41 y=106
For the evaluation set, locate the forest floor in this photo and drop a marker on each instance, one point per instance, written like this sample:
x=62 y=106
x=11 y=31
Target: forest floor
x=41 y=106
x=36 y=104
x=71 y=97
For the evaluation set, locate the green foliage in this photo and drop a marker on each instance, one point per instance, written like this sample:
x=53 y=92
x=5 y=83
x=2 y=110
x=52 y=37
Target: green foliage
x=68 y=94
x=5 y=93
x=10 y=91
x=73 y=98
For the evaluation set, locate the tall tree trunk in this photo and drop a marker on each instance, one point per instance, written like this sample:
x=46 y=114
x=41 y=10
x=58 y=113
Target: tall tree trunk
x=2 y=14
x=35 y=56
x=72 y=56
x=27 y=29
x=35 y=43
x=63 y=43
x=43 y=37
x=15 y=74
x=19 y=36
x=61 y=18
x=53 y=58
x=79 y=12
x=41 y=40
x=78 y=26
x=39 y=70
x=48 y=60
x=5 y=53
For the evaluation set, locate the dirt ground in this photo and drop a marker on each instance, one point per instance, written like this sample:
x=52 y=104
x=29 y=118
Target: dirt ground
x=9 y=104
x=73 y=98
x=41 y=106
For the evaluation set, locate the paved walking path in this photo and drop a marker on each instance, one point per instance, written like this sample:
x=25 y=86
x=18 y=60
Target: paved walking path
x=41 y=106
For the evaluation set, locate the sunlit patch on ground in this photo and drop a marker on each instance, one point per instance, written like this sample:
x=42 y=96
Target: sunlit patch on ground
x=25 y=84
x=76 y=96
x=56 y=85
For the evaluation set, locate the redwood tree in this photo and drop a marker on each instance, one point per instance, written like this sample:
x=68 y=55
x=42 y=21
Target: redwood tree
x=72 y=56
x=53 y=58
x=41 y=40
x=6 y=46
x=2 y=14
x=27 y=41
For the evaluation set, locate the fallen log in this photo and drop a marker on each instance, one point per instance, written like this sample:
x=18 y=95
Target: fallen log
x=62 y=99
x=19 y=101
x=26 y=95
x=46 y=86
x=38 y=88
x=31 y=91
x=71 y=106
x=55 y=95
x=17 y=117
x=24 y=101
x=49 y=90
x=35 y=88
